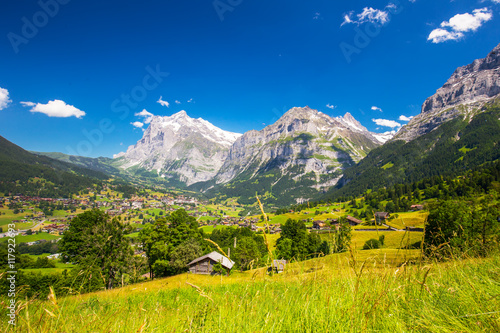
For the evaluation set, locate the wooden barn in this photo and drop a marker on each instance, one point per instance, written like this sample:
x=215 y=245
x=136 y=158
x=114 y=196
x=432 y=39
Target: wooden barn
x=205 y=264
x=353 y=221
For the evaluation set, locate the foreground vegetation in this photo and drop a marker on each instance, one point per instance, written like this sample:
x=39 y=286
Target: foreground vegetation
x=375 y=290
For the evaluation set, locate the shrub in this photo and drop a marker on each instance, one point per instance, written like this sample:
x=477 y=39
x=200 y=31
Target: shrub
x=371 y=244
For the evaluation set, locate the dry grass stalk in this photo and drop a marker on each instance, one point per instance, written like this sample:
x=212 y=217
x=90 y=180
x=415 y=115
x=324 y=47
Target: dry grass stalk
x=267 y=225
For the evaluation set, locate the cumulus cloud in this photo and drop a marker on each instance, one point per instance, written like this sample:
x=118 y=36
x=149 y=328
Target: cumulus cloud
x=162 y=102
x=190 y=100
x=4 y=98
x=386 y=123
x=331 y=106
x=55 y=108
x=316 y=16
x=405 y=118
x=137 y=124
x=177 y=102
x=440 y=35
x=374 y=108
x=459 y=24
x=148 y=116
x=469 y=22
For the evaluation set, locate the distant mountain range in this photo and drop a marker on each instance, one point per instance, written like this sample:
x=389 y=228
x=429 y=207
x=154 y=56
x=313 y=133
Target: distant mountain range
x=304 y=152
x=308 y=154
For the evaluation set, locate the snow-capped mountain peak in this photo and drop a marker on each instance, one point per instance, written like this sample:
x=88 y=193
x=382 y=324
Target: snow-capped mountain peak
x=182 y=147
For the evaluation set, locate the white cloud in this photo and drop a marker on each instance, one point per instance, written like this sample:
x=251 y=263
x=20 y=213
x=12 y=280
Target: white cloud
x=469 y=22
x=373 y=16
x=347 y=19
x=177 y=102
x=455 y=28
x=331 y=106
x=55 y=108
x=148 y=116
x=405 y=118
x=496 y=1
x=137 y=124
x=374 y=108
x=440 y=35
x=316 y=16
x=4 y=98
x=386 y=123
x=162 y=102
x=369 y=14
x=144 y=113
x=190 y=100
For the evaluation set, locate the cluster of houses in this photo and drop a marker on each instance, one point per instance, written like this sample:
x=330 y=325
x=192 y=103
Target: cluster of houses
x=55 y=229
x=329 y=224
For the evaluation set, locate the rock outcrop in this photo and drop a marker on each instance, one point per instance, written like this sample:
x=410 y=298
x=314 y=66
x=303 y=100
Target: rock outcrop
x=467 y=90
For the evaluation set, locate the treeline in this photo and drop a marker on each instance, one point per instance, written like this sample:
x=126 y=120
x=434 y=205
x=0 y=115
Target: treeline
x=297 y=243
x=24 y=261
x=463 y=227
x=37 y=249
x=400 y=197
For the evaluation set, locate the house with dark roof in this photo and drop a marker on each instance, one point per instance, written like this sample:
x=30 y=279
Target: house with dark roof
x=205 y=264
x=353 y=221
x=382 y=215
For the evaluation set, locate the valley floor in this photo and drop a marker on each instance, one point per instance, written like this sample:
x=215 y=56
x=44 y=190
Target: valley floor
x=384 y=290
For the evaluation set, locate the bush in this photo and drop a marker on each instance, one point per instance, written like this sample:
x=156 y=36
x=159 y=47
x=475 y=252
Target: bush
x=372 y=244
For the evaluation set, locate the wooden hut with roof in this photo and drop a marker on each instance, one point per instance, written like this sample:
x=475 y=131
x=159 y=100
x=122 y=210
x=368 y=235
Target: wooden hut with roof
x=205 y=264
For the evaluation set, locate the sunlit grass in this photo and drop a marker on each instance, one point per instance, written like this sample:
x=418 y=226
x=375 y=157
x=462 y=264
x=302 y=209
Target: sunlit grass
x=363 y=291
x=410 y=219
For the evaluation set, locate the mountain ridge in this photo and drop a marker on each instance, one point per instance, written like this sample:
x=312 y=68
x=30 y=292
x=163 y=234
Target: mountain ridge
x=179 y=147
x=464 y=94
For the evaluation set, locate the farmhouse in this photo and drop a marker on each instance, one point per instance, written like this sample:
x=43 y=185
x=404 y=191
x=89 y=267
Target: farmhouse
x=353 y=221
x=279 y=265
x=318 y=224
x=205 y=264
x=381 y=215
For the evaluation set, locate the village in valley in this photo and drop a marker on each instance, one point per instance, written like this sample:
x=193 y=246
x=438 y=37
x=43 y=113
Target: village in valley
x=40 y=220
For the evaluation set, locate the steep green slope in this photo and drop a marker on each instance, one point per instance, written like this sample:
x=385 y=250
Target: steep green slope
x=111 y=166
x=19 y=170
x=454 y=147
x=99 y=164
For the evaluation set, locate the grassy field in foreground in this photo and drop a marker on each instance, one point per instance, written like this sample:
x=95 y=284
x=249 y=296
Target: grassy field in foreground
x=366 y=291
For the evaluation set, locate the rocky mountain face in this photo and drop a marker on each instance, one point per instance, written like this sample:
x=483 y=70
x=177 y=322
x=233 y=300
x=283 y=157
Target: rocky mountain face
x=303 y=152
x=464 y=94
x=179 y=147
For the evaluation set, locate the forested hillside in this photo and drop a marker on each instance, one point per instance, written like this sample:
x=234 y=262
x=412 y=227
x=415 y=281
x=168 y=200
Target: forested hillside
x=453 y=148
x=25 y=173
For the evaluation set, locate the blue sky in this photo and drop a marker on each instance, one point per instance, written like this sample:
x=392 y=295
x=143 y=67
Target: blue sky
x=74 y=73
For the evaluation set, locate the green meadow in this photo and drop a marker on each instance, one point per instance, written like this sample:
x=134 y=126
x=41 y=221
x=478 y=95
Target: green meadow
x=358 y=291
